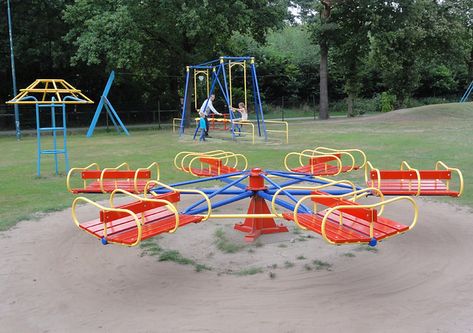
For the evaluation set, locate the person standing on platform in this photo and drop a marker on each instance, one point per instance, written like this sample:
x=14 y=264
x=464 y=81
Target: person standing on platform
x=205 y=109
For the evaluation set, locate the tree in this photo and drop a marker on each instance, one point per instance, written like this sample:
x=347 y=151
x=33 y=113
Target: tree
x=158 y=39
x=324 y=45
x=351 y=44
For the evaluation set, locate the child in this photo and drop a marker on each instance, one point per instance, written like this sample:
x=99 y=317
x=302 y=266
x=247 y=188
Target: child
x=202 y=126
x=243 y=112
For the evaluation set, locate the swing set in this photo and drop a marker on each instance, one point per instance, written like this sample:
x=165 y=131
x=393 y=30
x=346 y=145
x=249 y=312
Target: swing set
x=221 y=72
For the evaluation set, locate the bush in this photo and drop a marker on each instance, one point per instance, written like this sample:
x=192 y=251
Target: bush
x=387 y=102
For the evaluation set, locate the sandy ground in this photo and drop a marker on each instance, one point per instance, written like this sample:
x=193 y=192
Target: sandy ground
x=55 y=278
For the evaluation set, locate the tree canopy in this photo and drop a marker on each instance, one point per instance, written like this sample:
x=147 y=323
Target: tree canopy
x=404 y=48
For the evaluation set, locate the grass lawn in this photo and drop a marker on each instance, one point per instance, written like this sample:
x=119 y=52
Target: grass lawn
x=421 y=137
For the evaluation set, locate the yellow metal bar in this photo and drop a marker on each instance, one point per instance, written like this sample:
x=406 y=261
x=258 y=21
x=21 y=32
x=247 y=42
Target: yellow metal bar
x=102 y=174
x=252 y=129
x=168 y=204
x=44 y=93
x=135 y=179
x=156 y=183
x=348 y=207
x=244 y=84
x=236 y=216
x=312 y=188
x=405 y=164
x=458 y=172
x=350 y=150
x=285 y=125
x=74 y=170
x=133 y=215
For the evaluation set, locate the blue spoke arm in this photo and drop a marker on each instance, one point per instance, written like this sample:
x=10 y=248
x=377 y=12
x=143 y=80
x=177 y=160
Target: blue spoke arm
x=218 y=191
x=289 y=195
x=220 y=203
x=201 y=180
x=241 y=186
x=205 y=190
x=282 y=203
x=312 y=180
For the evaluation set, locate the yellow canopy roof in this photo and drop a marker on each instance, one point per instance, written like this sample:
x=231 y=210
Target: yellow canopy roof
x=55 y=91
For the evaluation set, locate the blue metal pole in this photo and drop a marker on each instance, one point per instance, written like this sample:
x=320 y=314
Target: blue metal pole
x=467 y=93
x=13 y=72
x=223 y=202
x=241 y=186
x=201 y=180
x=312 y=180
x=38 y=139
x=205 y=190
x=115 y=114
x=279 y=187
x=216 y=192
x=53 y=127
x=279 y=202
x=184 y=107
x=64 y=126
x=255 y=78
x=222 y=65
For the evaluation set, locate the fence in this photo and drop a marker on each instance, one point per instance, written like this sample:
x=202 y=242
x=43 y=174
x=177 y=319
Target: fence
x=81 y=116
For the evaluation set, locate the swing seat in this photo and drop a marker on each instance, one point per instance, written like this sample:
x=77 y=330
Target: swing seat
x=320 y=166
x=133 y=222
x=110 y=179
x=346 y=222
x=213 y=163
x=415 y=182
x=215 y=167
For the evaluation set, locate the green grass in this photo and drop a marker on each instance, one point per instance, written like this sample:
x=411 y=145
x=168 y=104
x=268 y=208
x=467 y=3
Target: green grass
x=224 y=244
x=320 y=265
x=366 y=248
x=288 y=264
x=175 y=256
x=430 y=133
x=249 y=271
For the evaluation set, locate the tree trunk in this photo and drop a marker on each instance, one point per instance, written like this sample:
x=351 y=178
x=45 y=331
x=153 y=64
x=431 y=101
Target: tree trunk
x=323 y=106
x=324 y=16
x=350 y=99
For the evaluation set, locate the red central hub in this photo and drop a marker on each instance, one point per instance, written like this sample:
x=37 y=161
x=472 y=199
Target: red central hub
x=256 y=226
x=256 y=182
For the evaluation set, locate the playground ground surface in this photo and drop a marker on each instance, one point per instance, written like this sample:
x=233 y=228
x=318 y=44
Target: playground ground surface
x=55 y=278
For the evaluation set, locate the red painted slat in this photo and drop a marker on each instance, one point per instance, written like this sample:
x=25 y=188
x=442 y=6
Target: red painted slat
x=407 y=174
x=323 y=159
x=157 y=220
x=154 y=228
x=109 y=186
x=139 y=206
x=322 y=169
x=353 y=229
x=116 y=174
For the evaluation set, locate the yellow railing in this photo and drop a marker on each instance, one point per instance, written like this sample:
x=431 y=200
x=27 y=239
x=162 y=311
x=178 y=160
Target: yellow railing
x=246 y=123
x=349 y=151
x=310 y=188
x=100 y=179
x=309 y=156
x=331 y=210
x=180 y=160
x=207 y=200
x=280 y=122
x=75 y=170
x=456 y=170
